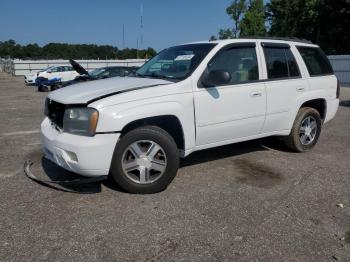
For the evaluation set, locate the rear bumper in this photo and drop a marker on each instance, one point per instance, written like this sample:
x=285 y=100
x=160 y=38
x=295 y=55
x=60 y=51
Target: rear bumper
x=87 y=156
x=332 y=108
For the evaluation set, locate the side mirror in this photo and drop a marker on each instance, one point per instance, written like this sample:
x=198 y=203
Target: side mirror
x=216 y=78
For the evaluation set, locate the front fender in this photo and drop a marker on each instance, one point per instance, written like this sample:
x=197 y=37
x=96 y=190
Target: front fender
x=115 y=118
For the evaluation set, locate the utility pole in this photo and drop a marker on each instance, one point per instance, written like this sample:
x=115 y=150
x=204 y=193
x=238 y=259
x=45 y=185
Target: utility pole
x=123 y=36
x=141 y=24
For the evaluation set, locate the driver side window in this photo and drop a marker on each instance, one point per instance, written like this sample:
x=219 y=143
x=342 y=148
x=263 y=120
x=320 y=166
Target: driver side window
x=240 y=62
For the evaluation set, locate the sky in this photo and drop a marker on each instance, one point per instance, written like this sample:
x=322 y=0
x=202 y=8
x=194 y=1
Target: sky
x=165 y=22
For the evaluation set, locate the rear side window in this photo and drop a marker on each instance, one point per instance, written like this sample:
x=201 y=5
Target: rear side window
x=280 y=63
x=241 y=62
x=316 y=61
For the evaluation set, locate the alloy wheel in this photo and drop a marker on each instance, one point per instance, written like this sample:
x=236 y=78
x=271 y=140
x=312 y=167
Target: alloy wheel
x=144 y=161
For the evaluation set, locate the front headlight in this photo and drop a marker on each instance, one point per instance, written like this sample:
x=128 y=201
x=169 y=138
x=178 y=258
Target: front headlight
x=80 y=121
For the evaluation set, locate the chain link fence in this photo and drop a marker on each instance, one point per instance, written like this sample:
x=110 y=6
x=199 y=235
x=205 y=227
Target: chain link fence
x=6 y=65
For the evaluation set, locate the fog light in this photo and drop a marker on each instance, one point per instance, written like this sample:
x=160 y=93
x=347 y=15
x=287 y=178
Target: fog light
x=72 y=156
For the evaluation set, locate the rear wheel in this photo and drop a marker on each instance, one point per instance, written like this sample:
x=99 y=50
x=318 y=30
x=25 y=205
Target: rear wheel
x=305 y=131
x=145 y=160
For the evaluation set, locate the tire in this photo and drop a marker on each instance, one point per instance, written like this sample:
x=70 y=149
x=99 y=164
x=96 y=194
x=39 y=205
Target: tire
x=302 y=139
x=55 y=87
x=125 y=159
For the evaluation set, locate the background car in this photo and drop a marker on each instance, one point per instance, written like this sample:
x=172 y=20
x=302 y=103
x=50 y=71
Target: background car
x=53 y=77
x=101 y=73
x=29 y=79
x=64 y=73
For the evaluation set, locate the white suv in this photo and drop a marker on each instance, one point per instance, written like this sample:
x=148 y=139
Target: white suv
x=187 y=98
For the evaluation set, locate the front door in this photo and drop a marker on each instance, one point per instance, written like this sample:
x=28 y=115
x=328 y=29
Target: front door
x=235 y=110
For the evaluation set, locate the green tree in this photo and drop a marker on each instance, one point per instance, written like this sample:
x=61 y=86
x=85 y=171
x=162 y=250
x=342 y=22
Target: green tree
x=253 y=23
x=248 y=18
x=10 y=49
x=225 y=34
x=236 y=11
x=293 y=18
x=32 y=51
x=332 y=31
x=324 y=22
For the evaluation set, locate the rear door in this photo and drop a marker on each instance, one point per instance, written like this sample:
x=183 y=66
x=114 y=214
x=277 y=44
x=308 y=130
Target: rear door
x=284 y=84
x=319 y=69
x=68 y=73
x=54 y=73
x=64 y=74
x=235 y=110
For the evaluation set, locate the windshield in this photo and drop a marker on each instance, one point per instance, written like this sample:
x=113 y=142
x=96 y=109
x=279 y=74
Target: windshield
x=175 y=62
x=46 y=69
x=97 y=72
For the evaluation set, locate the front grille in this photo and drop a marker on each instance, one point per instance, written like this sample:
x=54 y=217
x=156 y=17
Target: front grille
x=55 y=112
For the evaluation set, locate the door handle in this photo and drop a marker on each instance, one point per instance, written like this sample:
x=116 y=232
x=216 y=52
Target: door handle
x=300 y=88
x=256 y=94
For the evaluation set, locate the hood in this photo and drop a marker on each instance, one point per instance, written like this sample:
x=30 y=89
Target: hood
x=85 y=92
x=77 y=67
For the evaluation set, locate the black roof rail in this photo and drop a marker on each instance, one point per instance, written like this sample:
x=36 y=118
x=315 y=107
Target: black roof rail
x=294 y=39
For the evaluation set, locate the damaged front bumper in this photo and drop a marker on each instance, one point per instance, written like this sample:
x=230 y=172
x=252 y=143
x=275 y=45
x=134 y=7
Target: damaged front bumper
x=86 y=156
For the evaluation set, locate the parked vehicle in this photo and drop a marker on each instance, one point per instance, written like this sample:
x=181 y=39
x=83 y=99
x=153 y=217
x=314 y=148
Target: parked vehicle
x=53 y=77
x=29 y=79
x=49 y=83
x=100 y=73
x=46 y=85
x=187 y=98
x=65 y=73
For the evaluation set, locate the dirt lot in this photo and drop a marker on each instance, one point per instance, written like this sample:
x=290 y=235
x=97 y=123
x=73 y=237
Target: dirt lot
x=249 y=201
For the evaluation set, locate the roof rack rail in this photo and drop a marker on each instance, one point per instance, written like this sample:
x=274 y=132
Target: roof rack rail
x=294 y=39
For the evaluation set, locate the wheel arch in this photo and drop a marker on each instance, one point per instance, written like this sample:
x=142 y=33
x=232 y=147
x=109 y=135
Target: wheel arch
x=319 y=104
x=169 y=123
x=176 y=117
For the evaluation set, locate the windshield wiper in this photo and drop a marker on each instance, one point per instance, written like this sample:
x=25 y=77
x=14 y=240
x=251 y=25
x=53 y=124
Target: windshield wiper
x=152 y=75
x=159 y=76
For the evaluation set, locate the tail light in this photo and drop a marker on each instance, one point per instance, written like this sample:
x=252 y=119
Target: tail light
x=338 y=88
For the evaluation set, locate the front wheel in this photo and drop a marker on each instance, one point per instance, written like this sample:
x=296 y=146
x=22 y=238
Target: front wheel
x=145 y=160
x=305 y=131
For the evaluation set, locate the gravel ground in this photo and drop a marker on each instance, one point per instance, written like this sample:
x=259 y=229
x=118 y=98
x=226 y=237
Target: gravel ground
x=243 y=202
